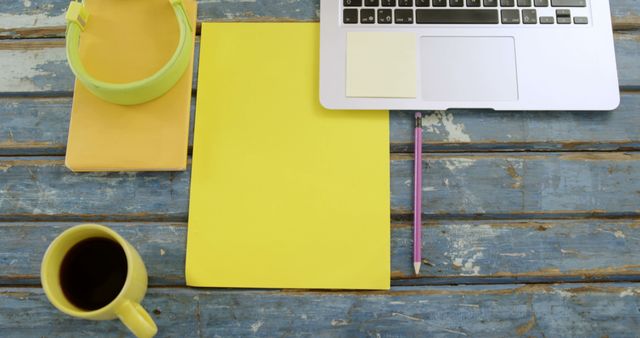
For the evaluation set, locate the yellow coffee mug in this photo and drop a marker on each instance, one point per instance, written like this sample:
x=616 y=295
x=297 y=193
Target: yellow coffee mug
x=126 y=305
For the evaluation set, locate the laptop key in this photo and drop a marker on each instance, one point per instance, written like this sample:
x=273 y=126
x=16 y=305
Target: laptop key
x=507 y=3
x=403 y=16
x=350 y=15
x=456 y=3
x=524 y=3
x=367 y=15
x=384 y=16
x=564 y=20
x=422 y=3
x=352 y=3
x=529 y=16
x=569 y=3
x=547 y=20
x=473 y=3
x=563 y=12
x=510 y=16
x=457 y=16
x=580 y=20
x=405 y=3
x=490 y=3
x=389 y=3
x=541 y=3
x=372 y=3
x=439 y=3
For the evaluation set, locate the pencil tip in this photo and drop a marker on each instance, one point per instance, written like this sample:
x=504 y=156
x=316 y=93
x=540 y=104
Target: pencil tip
x=416 y=267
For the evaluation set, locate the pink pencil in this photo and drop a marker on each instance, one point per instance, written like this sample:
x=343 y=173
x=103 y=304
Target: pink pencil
x=417 y=196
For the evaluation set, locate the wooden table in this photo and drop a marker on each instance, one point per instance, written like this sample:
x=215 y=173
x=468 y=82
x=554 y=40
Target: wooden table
x=531 y=219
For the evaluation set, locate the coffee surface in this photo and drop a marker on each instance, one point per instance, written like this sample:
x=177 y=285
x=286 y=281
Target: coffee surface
x=93 y=272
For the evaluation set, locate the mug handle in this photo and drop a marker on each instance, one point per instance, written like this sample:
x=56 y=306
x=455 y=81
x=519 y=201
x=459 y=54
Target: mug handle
x=137 y=319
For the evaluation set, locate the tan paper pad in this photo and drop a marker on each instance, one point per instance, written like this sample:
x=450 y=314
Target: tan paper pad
x=125 y=41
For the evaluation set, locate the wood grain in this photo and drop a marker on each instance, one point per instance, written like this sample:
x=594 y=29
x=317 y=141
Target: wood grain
x=479 y=185
x=38 y=126
x=492 y=216
x=520 y=185
x=39 y=67
x=455 y=311
x=484 y=130
x=468 y=252
x=45 y=18
x=40 y=188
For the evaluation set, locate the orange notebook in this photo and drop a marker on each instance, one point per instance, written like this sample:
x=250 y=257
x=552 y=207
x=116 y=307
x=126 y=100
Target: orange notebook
x=124 y=41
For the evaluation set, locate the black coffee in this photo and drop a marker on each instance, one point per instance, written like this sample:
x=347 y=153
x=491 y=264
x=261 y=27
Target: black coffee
x=93 y=272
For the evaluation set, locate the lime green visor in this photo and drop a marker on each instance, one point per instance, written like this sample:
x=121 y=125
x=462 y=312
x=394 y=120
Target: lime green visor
x=139 y=91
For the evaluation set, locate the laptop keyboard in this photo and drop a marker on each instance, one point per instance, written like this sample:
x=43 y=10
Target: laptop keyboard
x=506 y=12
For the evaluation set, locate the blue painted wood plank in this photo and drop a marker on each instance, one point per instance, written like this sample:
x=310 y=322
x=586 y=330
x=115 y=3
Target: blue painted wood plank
x=161 y=245
x=44 y=18
x=479 y=185
x=29 y=124
x=482 y=130
x=520 y=250
x=457 y=251
x=42 y=188
x=578 y=310
x=38 y=126
x=627 y=47
x=516 y=185
x=625 y=14
x=39 y=66
x=465 y=185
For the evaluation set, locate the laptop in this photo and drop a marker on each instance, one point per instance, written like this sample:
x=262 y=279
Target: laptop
x=444 y=54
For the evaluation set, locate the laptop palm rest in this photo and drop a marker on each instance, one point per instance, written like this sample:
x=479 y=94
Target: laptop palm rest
x=468 y=69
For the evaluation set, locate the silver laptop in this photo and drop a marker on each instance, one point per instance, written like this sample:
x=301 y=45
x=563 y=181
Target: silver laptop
x=442 y=54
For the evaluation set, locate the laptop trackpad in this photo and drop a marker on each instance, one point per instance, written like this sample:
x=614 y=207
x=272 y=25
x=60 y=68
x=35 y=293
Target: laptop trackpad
x=468 y=69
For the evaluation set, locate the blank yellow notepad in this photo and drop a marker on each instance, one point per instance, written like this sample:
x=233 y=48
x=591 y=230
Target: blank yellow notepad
x=284 y=194
x=125 y=41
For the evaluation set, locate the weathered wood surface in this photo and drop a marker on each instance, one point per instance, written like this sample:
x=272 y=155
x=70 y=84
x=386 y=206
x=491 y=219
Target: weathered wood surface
x=483 y=130
x=458 y=251
x=38 y=126
x=45 y=18
x=569 y=213
x=480 y=185
x=579 y=310
x=39 y=67
x=520 y=185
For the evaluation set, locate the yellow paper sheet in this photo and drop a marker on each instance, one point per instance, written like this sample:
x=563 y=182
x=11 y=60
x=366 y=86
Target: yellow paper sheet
x=284 y=194
x=373 y=71
x=125 y=41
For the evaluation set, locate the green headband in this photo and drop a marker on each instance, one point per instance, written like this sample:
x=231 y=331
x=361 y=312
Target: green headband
x=135 y=92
